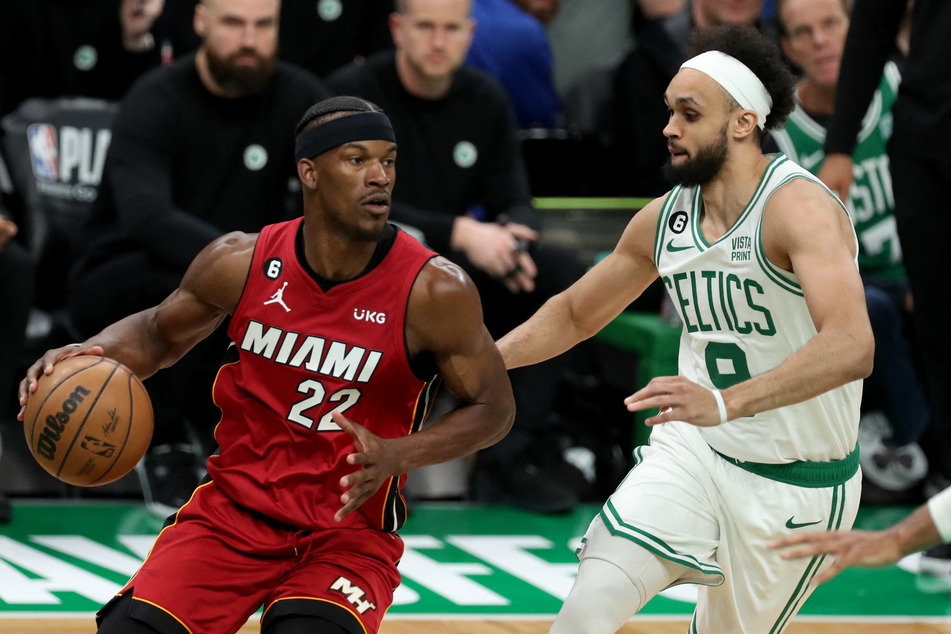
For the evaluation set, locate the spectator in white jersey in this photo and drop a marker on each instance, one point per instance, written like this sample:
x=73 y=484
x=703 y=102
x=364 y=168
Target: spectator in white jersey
x=813 y=37
x=756 y=437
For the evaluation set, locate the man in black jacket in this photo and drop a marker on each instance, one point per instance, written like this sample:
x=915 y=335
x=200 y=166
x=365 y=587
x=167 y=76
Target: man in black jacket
x=464 y=186
x=199 y=148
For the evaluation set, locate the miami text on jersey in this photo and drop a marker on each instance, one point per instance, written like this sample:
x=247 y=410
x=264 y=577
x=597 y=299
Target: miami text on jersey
x=339 y=360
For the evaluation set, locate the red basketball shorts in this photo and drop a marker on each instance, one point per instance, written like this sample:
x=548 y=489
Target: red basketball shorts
x=219 y=562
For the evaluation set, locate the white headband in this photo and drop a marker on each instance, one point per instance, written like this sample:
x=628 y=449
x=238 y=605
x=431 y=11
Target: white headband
x=737 y=79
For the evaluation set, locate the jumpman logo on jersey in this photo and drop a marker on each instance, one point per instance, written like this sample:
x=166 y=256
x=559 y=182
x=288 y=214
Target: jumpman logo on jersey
x=278 y=298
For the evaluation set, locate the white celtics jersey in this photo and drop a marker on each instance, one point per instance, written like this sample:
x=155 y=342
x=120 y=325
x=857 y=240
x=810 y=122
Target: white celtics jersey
x=742 y=317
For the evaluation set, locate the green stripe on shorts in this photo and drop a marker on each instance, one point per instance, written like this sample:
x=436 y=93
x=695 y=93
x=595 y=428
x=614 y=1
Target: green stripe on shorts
x=619 y=528
x=813 y=475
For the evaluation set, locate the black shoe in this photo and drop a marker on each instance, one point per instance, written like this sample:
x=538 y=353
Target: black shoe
x=521 y=485
x=168 y=475
x=936 y=561
x=6 y=510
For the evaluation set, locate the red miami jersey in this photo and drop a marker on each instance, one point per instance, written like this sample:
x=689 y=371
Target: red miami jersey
x=302 y=354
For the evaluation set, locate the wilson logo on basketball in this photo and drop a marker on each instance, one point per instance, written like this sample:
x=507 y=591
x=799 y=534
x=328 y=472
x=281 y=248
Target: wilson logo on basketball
x=55 y=424
x=361 y=314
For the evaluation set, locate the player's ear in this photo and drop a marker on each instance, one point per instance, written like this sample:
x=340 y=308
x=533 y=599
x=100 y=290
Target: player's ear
x=744 y=124
x=307 y=172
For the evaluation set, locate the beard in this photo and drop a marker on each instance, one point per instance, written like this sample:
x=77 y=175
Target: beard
x=703 y=167
x=238 y=79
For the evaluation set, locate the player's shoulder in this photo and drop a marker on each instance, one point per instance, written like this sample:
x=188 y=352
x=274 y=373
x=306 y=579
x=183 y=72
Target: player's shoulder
x=442 y=287
x=230 y=250
x=647 y=217
x=801 y=208
x=444 y=275
x=641 y=231
x=802 y=190
x=218 y=274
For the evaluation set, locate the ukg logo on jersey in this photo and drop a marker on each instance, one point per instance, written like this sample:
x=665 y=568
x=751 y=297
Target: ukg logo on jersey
x=67 y=162
x=364 y=314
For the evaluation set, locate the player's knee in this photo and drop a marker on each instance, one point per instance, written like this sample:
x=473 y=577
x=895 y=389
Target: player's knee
x=575 y=618
x=602 y=598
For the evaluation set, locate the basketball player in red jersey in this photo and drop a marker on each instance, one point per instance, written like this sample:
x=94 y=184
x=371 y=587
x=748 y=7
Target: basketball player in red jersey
x=340 y=324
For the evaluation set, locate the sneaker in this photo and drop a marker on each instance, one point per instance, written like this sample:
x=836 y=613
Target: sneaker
x=894 y=468
x=936 y=561
x=523 y=485
x=168 y=475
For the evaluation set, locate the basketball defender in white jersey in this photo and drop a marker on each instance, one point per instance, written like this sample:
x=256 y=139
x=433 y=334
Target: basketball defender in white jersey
x=756 y=437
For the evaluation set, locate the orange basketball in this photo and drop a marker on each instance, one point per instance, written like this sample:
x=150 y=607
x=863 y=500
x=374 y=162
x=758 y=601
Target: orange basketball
x=89 y=422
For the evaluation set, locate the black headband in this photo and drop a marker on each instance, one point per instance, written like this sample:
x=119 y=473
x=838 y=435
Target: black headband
x=364 y=126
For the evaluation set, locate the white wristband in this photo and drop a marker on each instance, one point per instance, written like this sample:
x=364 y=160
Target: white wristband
x=720 y=405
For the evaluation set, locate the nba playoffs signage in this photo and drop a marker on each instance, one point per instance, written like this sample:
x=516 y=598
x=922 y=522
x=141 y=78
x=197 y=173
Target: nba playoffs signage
x=56 y=149
x=67 y=161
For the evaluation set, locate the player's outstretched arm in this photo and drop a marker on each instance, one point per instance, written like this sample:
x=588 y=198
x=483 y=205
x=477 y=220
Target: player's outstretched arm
x=157 y=337
x=866 y=549
x=589 y=304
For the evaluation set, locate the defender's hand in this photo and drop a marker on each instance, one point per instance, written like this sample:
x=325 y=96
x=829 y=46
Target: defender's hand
x=868 y=549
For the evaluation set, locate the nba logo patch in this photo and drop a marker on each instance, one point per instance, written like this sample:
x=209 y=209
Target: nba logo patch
x=43 y=150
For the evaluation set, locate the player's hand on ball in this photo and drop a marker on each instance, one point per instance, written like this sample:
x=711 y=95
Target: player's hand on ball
x=678 y=398
x=44 y=365
x=379 y=460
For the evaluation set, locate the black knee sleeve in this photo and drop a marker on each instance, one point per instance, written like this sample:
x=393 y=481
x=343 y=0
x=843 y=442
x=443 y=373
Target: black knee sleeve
x=303 y=624
x=114 y=618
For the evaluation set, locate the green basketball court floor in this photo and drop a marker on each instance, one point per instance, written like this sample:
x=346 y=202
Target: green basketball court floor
x=66 y=558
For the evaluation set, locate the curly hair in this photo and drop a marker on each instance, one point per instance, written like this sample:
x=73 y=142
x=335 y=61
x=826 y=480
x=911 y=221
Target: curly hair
x=761 y=56
x=334 y=108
